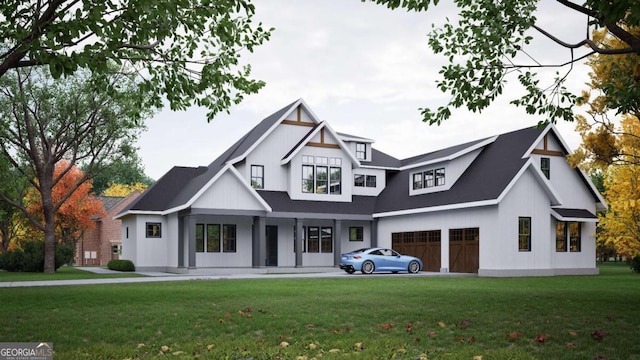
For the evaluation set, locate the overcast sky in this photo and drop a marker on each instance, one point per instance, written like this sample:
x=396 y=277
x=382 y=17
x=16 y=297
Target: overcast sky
x=364 y=69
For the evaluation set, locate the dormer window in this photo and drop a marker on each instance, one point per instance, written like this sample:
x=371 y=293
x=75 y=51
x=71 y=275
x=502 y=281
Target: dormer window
x=361 y=151
x=322 y=176
x=429 y=178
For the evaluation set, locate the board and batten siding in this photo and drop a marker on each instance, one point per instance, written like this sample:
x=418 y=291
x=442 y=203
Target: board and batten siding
x=242 y=257
x=227 y=193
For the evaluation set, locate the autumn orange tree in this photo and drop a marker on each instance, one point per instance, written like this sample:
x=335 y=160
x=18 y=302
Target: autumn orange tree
x=77 y=213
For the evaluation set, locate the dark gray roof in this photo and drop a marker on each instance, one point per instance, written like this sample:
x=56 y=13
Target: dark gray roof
x=485 y=179
x=279 y=201
x=575 y=213
x=439 y=154
x=380 y=159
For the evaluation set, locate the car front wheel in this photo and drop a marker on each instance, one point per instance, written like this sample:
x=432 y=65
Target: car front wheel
x=368 y=267
x=414 y=267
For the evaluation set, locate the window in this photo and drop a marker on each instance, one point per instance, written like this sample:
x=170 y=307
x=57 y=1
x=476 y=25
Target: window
x=320 y=178
x=326 y=241
x=313 y=239
x=361 y=151
x=545 y=166
x=561 y=236
x=440 y=177
x=356 y=233
x=524 y=234
x=257 y=176
x=417 y=181
x=335 y=181
x=199 y=237
x=127 y=232
x=213 y=238
x=153 y=230
x=116 y=249
x=307 y=178
x=229 y=238
x=428 y=178
x=364 y=180
x=574 y=237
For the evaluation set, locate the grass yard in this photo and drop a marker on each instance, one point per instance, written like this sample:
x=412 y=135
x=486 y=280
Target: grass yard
x=63 y=273
x=361 y=317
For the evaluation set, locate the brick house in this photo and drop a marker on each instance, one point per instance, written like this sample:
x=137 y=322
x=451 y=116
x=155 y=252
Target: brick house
x=103 y=243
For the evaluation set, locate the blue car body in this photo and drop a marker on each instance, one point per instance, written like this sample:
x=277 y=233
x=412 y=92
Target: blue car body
x=369 y=260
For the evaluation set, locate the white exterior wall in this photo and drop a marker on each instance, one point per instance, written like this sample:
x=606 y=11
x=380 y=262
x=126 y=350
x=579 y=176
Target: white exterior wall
x=243 y=255
x=318 y=259
x=172 y=240
x=150 y=252
x=381 y=182
x=270 y=152
x=129 y=238
x=228 y=193
x=295 y=175
x=348 y=246
x=286 y=254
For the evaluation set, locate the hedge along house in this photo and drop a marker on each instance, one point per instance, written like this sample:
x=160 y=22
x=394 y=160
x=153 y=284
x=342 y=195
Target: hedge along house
x=293 y=192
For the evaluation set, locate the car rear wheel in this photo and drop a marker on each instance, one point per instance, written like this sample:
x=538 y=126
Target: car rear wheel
x=414 y=267
x=368 y=267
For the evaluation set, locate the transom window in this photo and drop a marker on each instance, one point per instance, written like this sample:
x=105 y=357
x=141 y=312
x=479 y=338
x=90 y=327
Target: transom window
x=257 y=176
x=568 y=236
x=323 y=178
x=524 y=234
x=429 y=178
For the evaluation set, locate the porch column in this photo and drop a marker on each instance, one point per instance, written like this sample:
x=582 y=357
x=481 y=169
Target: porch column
x=181 y=221
x=374 y=232
x=337 y=233
x=298 y=241
x=444 y=250
x=191 y=221
x=259 y=242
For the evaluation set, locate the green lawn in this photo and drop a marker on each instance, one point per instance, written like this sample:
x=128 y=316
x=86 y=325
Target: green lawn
x=362 y=317
x=63 y=273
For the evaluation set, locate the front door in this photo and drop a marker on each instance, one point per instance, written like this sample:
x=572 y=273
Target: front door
x=272 y=245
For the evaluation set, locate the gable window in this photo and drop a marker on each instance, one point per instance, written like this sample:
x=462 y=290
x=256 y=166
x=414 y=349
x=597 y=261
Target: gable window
x=568 y=236
x=361 y=151
x=428 y=178
x=154 y=230
x=524 y=234
x=545 y=166
x=229 y=238
x=356 y=233
x=257 y=176
x=320 y=178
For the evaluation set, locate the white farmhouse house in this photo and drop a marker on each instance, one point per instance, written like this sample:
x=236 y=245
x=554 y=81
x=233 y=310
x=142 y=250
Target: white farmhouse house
x=295 y=193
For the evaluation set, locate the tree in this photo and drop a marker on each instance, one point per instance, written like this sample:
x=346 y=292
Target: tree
x=124 y=171
x=123 y=190
x=185 y=50
x=11 y=183
x=482 y=50
x=77 y=213
x=43 y=121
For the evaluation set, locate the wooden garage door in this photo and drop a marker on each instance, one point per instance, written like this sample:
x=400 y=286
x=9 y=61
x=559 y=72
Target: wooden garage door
x=464 y=250
x=421 y=244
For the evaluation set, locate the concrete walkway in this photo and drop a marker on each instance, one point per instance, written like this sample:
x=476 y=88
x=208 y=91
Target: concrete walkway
x=167 y=277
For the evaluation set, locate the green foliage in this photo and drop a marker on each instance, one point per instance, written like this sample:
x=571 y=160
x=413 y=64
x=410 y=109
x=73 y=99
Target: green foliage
x=121 y=265
x=185 y=51
x=31 y=257
x=634 y=264
x=482 y=47
x=122 y=170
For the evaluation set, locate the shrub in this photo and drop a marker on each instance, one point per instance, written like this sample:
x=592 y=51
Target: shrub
x=31 y=257
x=121 y=265
x=634 y=264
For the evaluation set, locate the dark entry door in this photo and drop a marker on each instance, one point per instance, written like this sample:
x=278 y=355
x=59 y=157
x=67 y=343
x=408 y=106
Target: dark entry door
x=272 y=245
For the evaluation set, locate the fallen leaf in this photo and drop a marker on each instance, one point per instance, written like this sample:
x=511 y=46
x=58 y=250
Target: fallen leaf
x=573 y=333
x=164 y=348
x=387 y=326
x=210 y=346
x=569 y=345
x=310 y=326
x=442 y=324
x=176 y=353
x=541 y=338
x=432 y=333
x=227 y=315
x=416 y=340
x=422 y=357
x=334 y=351
x=464 y=324
x=284 y=344
x=358 y=346
x=312 y=346
x=248 y=310
x=249 y=316
x=598 y=357
x=477 y=357
x=141 y=345
x=221 y=321
x=302 y=357
x=513 y=335
x=409 y=327
x=240 y=313
x=598 y=335
x=472 y=339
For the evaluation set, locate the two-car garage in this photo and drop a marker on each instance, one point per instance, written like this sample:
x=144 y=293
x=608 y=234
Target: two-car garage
x=464 y=244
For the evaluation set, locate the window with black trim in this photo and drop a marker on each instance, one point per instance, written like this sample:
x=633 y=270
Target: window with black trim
x=199 y=237
x=318 y=239
x=429 y=178
x=356 y=233
x=561 y=236
x=360 y=180
x=568 y=236
x=229 y=238
x=325 y=177
x=257 y=176
x=575 y=238
x=154 y=230
x=524 y=234
x=326 y=239
x=213 y=237
x=545 y=166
